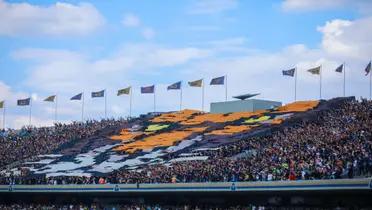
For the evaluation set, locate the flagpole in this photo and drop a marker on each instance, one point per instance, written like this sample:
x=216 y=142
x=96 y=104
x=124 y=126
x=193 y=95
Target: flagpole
x=55 y=109
x=130 y=103
x=105 y=104
x=370 y=85
x=203 y=95
x=226 y=88
x=82 y=109
x=4 y=116
x=154 y=100
x=29 y=120
x=295 y=89
x=181 y=98
x=320 y=82
x=344 y=69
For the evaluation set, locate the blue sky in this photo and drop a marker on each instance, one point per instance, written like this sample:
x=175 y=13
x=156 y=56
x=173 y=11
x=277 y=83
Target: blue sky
x=67 y=47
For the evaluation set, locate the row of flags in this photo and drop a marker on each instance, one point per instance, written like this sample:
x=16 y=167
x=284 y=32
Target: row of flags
x=178 y=85
x=316 y=70
x=222 y=80
x=125 y=91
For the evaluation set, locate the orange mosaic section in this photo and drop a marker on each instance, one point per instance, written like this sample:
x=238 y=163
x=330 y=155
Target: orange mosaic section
x=231 y=129
x=299 y=106
x=151 y=142
x=175 y=116
x=125 y=135
x=276 y=121
x=220 y=118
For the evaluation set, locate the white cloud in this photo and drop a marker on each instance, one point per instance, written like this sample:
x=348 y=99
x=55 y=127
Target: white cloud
x=148 y=33
x=346 y=38
x=311 y=4
x=363 y=6
x=212 y=6
x=131 y=20
x=24 y=19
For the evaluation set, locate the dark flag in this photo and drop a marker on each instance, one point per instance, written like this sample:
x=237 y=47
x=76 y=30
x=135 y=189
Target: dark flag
x=50 y=98
x=148 y=89
x=196 y=83
x=23 y=102
x=77 y=97
x=289 y=72
x=1 y=104
x=124 y=91
x=98 y=94
x=315 y=70
x=218 y=81
x=175 y=86
x=368 y=68
x=340 y=68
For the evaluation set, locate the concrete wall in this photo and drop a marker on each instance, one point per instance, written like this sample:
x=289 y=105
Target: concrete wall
x=243 y=105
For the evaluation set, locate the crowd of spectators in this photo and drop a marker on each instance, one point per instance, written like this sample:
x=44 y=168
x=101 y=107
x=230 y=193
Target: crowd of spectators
x=337 y=144
x=31 y=141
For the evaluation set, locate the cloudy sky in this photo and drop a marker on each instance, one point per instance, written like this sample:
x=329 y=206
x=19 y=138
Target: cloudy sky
x=68 y=47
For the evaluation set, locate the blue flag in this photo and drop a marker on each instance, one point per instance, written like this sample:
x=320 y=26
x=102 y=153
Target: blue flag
x=175 y=86
x=218 y=81
x=148 y=89
x=368 y=68
x=77 y=97
x=23 y=102
x=289 y=72
x=98 y=94
x=340 y=68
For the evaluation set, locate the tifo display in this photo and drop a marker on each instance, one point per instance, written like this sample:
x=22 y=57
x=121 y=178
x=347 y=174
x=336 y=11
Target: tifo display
x=301 y=140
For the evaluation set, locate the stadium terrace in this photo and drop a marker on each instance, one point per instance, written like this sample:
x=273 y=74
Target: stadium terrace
x=304 y=140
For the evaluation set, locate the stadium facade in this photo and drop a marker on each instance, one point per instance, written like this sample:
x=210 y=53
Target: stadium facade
x=249 y=105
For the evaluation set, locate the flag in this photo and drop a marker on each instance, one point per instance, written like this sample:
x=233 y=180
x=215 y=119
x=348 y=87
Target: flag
x=1 y=104
x=148 y=89
x=340 y=68
x=289 y=72
x=77 y=97
x=218 y=81
x=175 y=86
x=196 y=83
x=23 y=102
x=125 y=91
x=315 y=70
x=368 y=68
x=50 y=98
x=98 y=94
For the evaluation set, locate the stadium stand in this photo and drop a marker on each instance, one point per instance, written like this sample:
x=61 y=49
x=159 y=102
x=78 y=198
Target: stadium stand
x=313 y=140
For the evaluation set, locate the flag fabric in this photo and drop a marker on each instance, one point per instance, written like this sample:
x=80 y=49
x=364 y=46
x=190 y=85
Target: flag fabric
x=124 y=91
x=98 y=94
x=196 y=83
x=148 y=89
x=218 y=81
x=1 y=104
x=340 y=68
x=368 y=68
x=175 y=86
x=315 y=70
x=50 y=98
x=77 y=97
x=24 y=102
x=289 y=72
